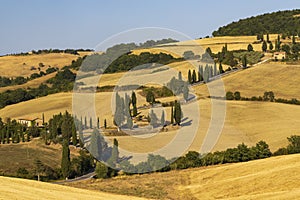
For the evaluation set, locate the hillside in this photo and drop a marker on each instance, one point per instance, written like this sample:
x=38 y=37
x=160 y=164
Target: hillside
x=13 y=188
x=278 y=77
x=22 y=65
x=24 y=154
x=272 y=178
x=286 y=22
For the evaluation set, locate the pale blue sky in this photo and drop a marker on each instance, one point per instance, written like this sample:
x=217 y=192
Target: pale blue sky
x=40 y=24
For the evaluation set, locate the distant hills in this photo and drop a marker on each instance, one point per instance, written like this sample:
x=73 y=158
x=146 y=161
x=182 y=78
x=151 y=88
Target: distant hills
x=285 y=22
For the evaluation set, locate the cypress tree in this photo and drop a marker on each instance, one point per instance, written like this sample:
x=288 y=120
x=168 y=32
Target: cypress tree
x=95 y=147
x=65 y=161
x=162 y=119
x=185 y=92
x=177 y=113
x=172 y=115
x=221 y=71
x=294 y=39
x=244 y=61
x=74 y=135
x=271 y=46
x=98 y=123
x=215 y=69
x=85 y=122
x=190 y=77
x=133 y=102
x=113 y=160
x=105 y=124
x=101 y=170
x=268 y=39
x=91 y=123
x=264 y=46
x=194 y=77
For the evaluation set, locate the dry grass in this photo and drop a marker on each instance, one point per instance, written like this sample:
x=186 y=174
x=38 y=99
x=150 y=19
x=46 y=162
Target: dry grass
x=272 y=178
x=280 y=78
x=13 y=188
x=215 y=43
x=12 y=66
x=13 y=156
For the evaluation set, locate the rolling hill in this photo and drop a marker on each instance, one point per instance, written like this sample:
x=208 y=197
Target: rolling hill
x=277 y=22
x=13 y=188
x=271 y=178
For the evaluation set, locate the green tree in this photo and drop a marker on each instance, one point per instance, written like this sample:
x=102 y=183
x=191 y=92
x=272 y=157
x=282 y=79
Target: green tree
x=95 y=147
x=293 y=39
x=172 y=115
x=74 y=135
x=190 y=77
x=264 y=46
x=185 y=92
x=177 y=112
x=188 y=55
x=237 y=95
x=101 y=170
x=271 y=46
x=244 y=61
x=268 y=38
x=229 y=96
x=221 y=68
x=113 y=160
x=98 y=122
x=65 y=161
x=250 y=47
x=133 y=102
x=150 y=97
x=179 y=75
x=286 y=48
x=91 y=123
x=105 y=124
x=162 y=119
x=294 y=144
x=194 y=77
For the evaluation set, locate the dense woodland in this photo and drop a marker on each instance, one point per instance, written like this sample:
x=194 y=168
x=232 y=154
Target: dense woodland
x=283 y=22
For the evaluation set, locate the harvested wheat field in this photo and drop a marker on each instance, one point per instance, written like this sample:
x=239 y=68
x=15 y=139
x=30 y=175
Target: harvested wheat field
x=22 y=65
x=271 y=178
x=280 y=78
x=14 y=188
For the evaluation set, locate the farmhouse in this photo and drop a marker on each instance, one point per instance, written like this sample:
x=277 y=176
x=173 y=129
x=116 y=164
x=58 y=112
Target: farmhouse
x=29 y=122
x=279 y=55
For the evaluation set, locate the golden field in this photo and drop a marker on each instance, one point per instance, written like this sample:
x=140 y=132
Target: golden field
x=14 y=188
x=13 y=66
x=271 y=178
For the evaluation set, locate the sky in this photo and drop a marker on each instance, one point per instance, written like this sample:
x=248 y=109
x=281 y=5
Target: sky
x=44 y=24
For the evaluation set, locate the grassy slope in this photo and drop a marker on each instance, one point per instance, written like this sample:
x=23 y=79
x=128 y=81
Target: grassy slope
x=13 y=188
x=16 y=66
x=13 y=156
x=246 y=122
x=272 y=178
x=280 y=78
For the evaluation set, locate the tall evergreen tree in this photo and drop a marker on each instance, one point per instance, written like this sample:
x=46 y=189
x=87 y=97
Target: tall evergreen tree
x=194 y=77
x=119 y=112
x=268 y=38
x=95 y=147
x=133 y=102
x=271 y=46
x=177 y=112
x=85 y=122
x=244 y=61
x=98 y=122
x=91 y=123
x=215 y=69
x=74 y=135
x=185 y=92
x=105 y=124
x=221 y=71
x=172 y=115
x=190 y=77
x=113 y=160
x=162 y=119
x=293 y=39
x=65 y=161
x=264 y=46
x=153 y=118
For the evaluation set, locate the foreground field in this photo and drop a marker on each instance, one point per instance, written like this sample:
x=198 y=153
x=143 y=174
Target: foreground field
x=272 y=178
x=14 y=156
x=13 y=188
